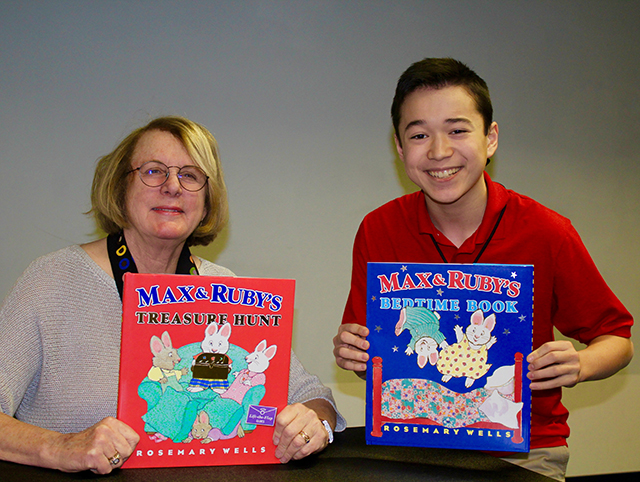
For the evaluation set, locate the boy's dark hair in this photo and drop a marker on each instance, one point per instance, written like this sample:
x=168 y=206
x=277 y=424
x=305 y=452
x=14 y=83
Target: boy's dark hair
x=433 y=73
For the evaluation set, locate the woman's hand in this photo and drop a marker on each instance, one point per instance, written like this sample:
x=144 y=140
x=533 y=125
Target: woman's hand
x=350 y=348
x=100 y=448
x=292 y=424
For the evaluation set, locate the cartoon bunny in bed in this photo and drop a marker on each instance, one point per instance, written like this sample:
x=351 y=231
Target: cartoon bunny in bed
x=468 y=357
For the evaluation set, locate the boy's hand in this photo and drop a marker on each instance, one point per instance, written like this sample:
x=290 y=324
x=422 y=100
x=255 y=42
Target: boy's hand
x=555 y=364
x=350 y=348
x=559 y=364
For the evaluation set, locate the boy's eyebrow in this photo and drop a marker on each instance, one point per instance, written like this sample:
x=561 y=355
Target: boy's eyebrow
x=417 y=122
x=455 y=120
x=452 y=120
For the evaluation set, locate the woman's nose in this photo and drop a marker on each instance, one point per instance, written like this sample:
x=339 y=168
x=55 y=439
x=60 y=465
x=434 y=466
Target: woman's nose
x=172 y=184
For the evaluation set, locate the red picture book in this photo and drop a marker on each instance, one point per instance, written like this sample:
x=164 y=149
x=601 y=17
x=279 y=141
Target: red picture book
x=204 y=367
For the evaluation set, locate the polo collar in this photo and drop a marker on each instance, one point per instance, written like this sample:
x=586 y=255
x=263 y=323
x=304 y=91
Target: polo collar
x=497 y=197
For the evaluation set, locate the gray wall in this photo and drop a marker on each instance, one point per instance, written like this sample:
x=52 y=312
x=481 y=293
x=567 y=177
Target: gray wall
x=298 y=96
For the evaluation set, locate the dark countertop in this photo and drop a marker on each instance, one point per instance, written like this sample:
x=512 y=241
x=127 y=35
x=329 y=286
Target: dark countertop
x=347 y=459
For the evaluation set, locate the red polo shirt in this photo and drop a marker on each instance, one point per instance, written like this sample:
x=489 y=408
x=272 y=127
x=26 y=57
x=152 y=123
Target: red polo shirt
x=570 y=293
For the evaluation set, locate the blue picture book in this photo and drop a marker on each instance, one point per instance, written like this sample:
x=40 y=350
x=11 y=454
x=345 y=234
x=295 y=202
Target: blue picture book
x=447 y=361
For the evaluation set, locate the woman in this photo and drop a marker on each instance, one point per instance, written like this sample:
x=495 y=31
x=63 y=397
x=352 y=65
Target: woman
x=160 y=191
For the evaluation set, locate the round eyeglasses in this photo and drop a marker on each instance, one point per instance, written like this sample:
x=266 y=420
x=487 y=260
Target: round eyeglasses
x=156 y=173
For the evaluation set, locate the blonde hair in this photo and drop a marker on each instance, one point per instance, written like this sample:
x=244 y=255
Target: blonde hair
x=109 y=189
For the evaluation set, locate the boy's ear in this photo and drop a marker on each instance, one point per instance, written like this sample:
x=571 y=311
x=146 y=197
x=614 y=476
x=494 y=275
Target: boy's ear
x=492 y=139
x=398 y=147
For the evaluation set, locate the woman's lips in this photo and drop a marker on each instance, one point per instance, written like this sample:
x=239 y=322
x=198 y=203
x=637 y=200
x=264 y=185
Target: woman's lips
x=168 y=210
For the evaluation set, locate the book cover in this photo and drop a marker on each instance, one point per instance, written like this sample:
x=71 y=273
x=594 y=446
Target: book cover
x=204 y=367
x=446 y=366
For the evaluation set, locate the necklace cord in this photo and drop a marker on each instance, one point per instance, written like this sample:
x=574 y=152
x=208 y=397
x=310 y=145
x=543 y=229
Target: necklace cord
x=122 y=262
x=484 y=247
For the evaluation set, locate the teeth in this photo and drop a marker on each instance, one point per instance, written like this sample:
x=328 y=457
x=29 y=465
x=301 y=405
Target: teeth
x=444 y=173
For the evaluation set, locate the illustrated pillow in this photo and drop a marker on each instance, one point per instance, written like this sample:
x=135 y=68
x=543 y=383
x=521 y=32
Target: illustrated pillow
x=502 y=380
x=500 y=410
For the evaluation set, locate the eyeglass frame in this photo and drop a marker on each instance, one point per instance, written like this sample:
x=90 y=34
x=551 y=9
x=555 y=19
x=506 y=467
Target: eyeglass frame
x=139 y=169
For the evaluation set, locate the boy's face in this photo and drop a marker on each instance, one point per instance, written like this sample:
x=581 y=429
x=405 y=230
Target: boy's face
x=443 y=146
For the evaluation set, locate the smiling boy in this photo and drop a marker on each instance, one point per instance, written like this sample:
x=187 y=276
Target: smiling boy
x=444 y=135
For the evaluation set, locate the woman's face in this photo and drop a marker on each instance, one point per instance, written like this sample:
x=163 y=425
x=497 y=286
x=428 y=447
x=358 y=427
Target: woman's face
x=168 y=212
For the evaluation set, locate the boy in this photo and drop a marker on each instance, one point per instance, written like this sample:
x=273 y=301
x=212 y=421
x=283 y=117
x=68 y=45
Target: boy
x=444 y=135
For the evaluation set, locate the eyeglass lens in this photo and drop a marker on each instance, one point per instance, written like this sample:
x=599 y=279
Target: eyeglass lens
x=156 y=173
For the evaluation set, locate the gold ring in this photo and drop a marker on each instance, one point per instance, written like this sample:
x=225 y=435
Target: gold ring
x=304 y=435
x=115 y=460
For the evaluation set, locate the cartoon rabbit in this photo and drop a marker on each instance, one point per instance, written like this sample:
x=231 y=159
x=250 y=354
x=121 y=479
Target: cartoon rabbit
x=216 y=341
x=424 y=326
x=257 y=363
x=211 y=367
x=468 y=357
x=203 y=431
x=165 y=358
x=200 y=430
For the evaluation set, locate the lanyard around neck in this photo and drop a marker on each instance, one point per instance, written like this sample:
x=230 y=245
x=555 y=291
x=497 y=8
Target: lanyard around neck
x=122 y=262
x=484 y=246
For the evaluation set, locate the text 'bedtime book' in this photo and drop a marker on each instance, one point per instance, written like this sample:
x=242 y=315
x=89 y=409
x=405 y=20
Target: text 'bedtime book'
x=204 y=367
x=446 y=366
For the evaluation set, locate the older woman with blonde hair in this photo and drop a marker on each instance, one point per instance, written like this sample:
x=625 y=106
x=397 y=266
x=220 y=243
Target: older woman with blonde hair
x=158 y=193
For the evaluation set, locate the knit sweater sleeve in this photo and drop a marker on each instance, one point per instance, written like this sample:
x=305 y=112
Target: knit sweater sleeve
x=304 y=386
x=60 y=333
x=21 y=354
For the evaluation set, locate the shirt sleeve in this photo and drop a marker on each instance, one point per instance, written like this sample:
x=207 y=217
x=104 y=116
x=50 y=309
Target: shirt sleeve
x=585 y=305
x=356 y=308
